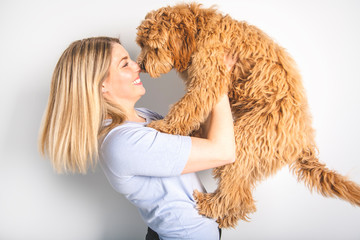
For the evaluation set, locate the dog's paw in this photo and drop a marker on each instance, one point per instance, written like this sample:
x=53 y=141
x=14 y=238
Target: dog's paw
x=208 y=205
x=165 y=127
x=225 y=209
x=234 y=214
x=229 y=221
x=205 y=204
x=161 y=126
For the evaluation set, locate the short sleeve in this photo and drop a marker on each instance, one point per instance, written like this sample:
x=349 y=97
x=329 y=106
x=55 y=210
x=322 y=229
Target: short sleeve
x=129 y=151
x=151 y=114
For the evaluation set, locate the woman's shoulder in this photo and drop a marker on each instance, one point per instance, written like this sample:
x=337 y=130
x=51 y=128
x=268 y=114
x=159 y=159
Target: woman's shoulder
x=127 y=130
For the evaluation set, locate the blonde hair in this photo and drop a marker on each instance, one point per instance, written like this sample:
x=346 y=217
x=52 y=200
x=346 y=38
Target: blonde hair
x=73 y=121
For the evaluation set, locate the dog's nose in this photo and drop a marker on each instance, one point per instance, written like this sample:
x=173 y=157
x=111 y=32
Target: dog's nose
x=142 y=66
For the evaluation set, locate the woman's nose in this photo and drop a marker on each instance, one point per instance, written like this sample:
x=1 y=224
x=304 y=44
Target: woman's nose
x=135 y=66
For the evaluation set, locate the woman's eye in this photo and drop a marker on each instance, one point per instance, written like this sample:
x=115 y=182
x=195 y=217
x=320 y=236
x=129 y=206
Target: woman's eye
x=125 y=65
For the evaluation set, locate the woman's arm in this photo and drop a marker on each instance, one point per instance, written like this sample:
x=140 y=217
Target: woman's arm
x=218 y=146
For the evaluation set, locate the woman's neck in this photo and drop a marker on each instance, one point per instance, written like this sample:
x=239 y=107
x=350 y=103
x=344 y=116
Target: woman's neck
x=133 y=116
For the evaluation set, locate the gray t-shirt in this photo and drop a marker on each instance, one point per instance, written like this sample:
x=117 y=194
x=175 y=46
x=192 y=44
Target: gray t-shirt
x=145 y=165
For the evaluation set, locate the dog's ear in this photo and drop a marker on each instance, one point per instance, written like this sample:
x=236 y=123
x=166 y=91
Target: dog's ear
x=152 y=33
x=182 y=44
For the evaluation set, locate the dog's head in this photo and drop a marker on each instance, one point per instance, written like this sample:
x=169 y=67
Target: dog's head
x=167 y=39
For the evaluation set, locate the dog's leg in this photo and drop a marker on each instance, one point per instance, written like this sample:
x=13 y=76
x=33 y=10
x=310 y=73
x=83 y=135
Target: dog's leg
x=184 y=116
x=207 y=81
x=231 y=201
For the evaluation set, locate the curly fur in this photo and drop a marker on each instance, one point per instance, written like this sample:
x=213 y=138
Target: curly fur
x=271 y=116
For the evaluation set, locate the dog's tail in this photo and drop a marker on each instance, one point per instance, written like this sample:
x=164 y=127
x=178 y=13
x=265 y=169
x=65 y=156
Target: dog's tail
x=327 y=182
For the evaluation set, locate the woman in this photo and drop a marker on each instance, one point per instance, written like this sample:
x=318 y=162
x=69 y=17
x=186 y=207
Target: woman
x=91 y=114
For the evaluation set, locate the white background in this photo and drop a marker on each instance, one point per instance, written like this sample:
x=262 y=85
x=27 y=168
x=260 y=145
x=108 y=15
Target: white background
x=35 y=203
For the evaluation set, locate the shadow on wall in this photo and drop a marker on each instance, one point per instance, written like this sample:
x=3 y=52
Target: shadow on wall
x=119 y=219
x=46 y=195
x=71 y=205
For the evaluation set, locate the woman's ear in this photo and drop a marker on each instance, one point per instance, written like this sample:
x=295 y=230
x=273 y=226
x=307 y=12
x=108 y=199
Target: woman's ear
x=103 y=89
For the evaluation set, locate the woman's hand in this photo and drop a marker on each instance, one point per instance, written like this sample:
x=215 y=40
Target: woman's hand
x=229 y=61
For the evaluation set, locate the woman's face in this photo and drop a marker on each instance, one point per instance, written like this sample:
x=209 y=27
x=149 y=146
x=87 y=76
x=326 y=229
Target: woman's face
x=123 y=85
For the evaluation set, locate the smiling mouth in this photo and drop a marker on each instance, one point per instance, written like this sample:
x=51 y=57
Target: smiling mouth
x=137 y=82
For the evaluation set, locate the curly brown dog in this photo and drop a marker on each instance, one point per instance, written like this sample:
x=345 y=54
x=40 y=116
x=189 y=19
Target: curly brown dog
x=271 y=116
